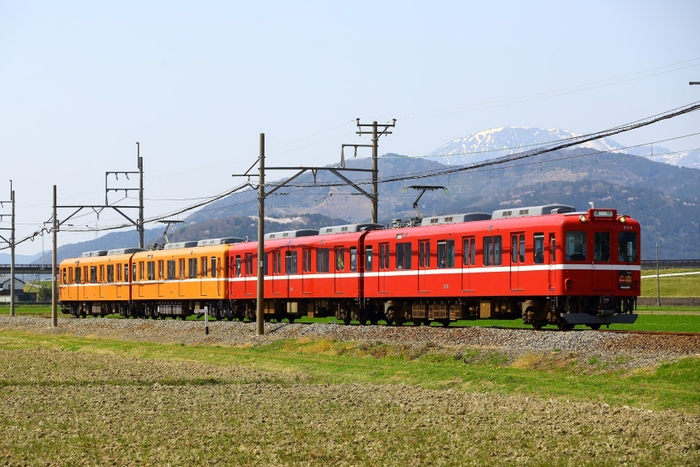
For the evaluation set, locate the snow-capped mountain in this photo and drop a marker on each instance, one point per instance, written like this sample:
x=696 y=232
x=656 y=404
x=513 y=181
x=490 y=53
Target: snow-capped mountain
x=504 y=141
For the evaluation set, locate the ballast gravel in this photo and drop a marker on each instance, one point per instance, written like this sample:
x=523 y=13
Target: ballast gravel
x=615 y=350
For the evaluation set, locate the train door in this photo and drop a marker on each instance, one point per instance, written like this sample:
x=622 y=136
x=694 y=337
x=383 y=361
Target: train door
x=339 y=269
x=249 y=287
x=290 y=269
x=306 y=276
x=383 y=267
x=552 y=262
x=468 y=261
x=517 y=258
x=277 y=278
x=601 y=269
x=423 y=265
x=116 y=275
x=203 y=275
x=101 y=281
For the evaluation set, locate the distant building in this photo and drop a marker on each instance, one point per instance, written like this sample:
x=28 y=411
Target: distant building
x=19 y=290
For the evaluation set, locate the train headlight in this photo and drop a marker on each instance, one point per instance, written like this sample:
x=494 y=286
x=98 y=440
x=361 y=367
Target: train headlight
x=622 y=219
x=583 y=218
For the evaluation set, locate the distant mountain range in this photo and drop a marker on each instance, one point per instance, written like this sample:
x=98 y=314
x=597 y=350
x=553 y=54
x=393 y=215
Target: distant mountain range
x=505 y=141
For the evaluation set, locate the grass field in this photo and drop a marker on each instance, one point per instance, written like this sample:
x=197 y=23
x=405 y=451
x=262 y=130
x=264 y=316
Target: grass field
x=66 y=400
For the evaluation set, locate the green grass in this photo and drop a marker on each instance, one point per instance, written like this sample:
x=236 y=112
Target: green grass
x=672 y=386
x=674 y=286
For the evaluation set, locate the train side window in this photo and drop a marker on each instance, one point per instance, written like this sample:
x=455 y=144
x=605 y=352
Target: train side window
x=249 y=264
x=368 y=258
x=424 y=254
x=290 y=262
x=446 y=253
x=538 y=250
x=517 y=248
x=339 y=258
x=492 y=250
x=353 y=259
x=601 y=246
x=77 y=275
x=205 y=266
x=63 y=276
x=151 y=270
x=238 y=266
x=266 y=272
x=276 y=262
x=468 y=251
x=306 y=260
x=110 y=273
x=213 y=267
x=93 y=274
x=627 y=247
x=575 y=243
x=384 y=256
x=192 y=268
x=118 y=270
x=522 y=248
x=403 y=255
x=161 y=270
x=171 y=270
x=181 y=265
x=553 y=247
x=141 y=270
x=322 y=260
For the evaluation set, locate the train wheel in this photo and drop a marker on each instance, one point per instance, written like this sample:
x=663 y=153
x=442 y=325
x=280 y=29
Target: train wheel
x=537 y=325
x=373 y=322
x=595 y=327
x=347 y=320
x=184 y=317
x=417 y=322
x=445 y=322
x=230 y=317
x=291 y=319
x=564 y=326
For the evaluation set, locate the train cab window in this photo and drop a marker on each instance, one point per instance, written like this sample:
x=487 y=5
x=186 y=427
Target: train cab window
x=77 y=275
x=575 y=246
x=171 y=270
x=403 y=255
x=213 y=267
x=151 y=270
x=601 y=246
x=446 y=254
x=63 y=276
x=469 y=251
x=627 y=250
x=424 y=254
x=322 y=260
x=368 y=258
x=290 y=262
x=353 y=259
x=238 y=266
x=492 y=250
x=93 y=274
x=192 y=268
x=110 y=273
x=538 y=251
x=205 y=266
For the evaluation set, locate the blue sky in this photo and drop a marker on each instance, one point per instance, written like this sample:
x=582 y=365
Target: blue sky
x=197 y=82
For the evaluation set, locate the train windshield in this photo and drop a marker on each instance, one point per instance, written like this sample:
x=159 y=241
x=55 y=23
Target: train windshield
x=627 y=250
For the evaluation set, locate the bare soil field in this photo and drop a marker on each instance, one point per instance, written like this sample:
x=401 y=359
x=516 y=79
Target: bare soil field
x=74 y=407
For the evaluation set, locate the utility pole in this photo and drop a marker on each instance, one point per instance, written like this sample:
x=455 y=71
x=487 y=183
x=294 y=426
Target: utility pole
x=375 y=164
x=139 y=222
x=260 y=299
x=658 y=281
x=54 y=260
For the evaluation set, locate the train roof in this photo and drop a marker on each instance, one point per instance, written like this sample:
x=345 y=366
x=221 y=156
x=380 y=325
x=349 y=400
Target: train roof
x=532 y=211
x=93 y=254
x=176 y=245
x=219 y=241
x=348 y=228
x=455 y=218
x=123 y=251
x=290 y=234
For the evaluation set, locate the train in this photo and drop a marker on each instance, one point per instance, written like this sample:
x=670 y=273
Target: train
x=549 y=265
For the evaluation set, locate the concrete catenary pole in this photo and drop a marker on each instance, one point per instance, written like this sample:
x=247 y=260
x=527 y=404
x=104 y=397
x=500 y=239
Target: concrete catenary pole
x=260 y=301
x=12 y=253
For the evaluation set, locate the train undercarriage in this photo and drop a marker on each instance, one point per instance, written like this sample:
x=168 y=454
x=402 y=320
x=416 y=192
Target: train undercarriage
x=564 y=312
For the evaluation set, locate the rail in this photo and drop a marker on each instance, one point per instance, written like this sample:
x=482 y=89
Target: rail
x=671 y=263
